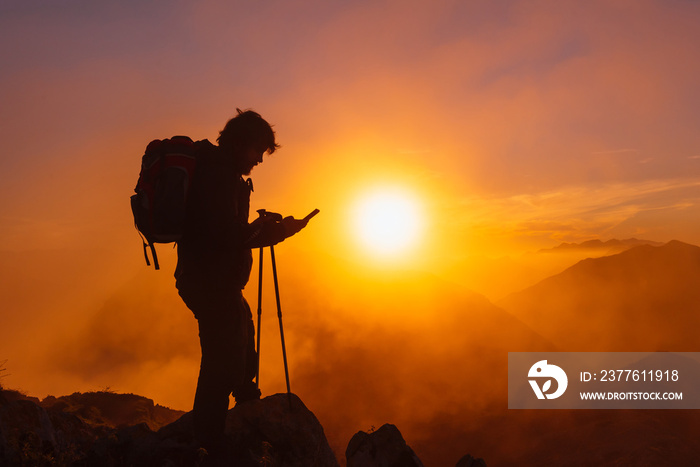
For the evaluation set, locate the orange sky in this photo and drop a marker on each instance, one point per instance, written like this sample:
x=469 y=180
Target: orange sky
x=518 y=125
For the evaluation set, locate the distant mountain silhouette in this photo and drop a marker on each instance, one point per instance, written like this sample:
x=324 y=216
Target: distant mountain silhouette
x=498 y=277
x=599 y=247
x=646 y=298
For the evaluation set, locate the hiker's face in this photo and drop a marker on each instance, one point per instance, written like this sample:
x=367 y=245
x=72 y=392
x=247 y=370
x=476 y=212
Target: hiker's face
x=251 y=157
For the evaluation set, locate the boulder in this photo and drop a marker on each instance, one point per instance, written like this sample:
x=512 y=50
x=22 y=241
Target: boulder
x=32 y=434
x=113 y=409
x=280 y=430
x=26 y=434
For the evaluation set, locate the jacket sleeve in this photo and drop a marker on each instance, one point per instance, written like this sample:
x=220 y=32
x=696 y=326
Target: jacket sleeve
x=264 y=232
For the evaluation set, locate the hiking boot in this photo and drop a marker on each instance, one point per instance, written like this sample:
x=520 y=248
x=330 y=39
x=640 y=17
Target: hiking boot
x=247 y=393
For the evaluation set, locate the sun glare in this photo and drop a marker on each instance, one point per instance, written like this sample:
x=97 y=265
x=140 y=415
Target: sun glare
x=388 y=221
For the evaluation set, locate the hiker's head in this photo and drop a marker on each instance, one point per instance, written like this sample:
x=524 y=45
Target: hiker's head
x=247 y=136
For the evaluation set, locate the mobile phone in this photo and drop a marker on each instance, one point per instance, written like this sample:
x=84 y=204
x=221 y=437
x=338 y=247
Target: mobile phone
x=311 y=214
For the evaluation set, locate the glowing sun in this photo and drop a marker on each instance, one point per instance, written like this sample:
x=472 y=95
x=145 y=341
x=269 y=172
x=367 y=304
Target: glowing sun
x=388 y=221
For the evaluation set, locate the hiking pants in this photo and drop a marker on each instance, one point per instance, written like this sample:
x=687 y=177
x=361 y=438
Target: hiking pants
x=229 y=360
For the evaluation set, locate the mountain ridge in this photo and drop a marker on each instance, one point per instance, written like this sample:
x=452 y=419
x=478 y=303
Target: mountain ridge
x=613 y=245
x=647 y=290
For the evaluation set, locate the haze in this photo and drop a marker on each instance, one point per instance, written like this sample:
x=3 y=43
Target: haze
x=516 y=125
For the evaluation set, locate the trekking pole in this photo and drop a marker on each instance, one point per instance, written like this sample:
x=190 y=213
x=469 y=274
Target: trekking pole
x=279 y=315
x=257 y=371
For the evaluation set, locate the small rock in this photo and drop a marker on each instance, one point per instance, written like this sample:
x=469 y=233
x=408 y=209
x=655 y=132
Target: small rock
x=469 y=461
x=382 y=448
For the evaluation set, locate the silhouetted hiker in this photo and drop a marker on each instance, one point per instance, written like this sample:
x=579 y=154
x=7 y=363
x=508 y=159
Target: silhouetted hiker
x=214 y=263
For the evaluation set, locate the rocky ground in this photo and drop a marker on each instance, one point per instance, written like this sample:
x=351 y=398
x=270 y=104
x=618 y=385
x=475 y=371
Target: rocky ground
x=109 y=429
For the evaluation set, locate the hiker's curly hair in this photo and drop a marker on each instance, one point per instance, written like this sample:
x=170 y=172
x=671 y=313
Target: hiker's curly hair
x=248 y=129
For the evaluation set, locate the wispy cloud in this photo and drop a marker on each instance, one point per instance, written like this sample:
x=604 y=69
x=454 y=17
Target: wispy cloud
x=579 y=212
x=612 y=152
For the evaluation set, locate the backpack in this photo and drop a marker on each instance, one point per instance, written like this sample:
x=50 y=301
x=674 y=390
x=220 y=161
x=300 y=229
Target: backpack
x=159 y=205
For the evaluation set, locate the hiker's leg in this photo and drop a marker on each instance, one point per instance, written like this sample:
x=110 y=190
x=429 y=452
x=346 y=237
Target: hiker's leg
x=223 y=337
x=246 y=389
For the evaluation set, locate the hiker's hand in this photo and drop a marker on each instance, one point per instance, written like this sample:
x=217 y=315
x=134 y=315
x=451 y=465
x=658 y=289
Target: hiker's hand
x=269 y=216
x=292 y=225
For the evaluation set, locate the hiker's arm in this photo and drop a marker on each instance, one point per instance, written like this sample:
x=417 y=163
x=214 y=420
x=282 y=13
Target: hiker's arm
x=265 y=231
